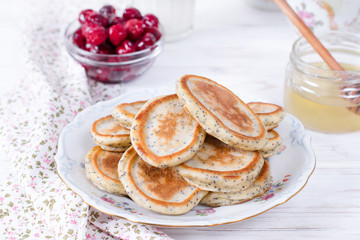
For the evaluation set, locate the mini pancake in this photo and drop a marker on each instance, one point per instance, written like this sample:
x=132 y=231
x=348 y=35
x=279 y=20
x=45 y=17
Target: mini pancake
x=218 y=167
x=160 y=190
x=221 y=113
x=125 y=112
x=270 y=114
x=273 y=141
x=113 y=148
x=258 y=188
x=164 y=134
x=271 y=127
x=109 y=134
x=101 y=169
x=270 y=152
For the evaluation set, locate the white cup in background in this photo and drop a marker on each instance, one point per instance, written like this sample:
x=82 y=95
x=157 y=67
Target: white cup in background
x=176 y=16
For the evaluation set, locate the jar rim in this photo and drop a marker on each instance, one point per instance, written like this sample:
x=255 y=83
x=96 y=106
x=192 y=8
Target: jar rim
x=302 y=65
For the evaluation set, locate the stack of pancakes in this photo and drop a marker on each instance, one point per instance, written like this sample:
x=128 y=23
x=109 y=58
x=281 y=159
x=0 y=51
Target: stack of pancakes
x=200 y=145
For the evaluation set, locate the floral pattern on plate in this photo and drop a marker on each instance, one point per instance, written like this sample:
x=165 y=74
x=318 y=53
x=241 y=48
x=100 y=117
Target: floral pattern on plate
x=275 y=188
x=123 y=205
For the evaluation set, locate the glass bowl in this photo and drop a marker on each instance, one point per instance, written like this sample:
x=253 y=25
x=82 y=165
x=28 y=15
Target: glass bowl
x=112 y=68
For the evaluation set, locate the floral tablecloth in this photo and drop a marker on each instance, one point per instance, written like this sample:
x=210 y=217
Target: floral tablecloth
x=34 y=202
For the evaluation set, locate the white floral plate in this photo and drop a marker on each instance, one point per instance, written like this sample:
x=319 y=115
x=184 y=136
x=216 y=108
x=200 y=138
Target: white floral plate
x=291 y=168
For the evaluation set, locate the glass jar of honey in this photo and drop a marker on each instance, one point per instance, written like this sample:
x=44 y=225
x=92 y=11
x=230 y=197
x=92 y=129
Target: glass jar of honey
x=322 y=99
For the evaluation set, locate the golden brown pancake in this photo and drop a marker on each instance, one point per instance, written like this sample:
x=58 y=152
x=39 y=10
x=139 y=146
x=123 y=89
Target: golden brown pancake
x=101 y=168
x=273 y=140
x=221 y=113
x=125 y=112
x=270 y=114
x=220 y=168
x=110 y=135
x=257 y=188
x=160 y=190
x=271 y=127
x=270 y=152
x=164 y=134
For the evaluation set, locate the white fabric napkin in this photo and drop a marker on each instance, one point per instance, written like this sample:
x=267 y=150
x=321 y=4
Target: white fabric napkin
x=34 y=202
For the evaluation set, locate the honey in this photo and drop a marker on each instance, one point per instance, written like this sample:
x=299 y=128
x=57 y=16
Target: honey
x=322 y=99
x=323 y=113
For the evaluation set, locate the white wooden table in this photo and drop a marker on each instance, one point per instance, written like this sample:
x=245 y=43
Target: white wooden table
x=247 y=49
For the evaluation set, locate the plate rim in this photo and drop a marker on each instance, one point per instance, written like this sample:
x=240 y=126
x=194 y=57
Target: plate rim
x=304 y=135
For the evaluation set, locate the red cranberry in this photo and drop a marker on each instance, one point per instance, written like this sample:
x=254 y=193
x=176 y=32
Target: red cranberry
x=108 y=11
x=125 y=47
x=94 y=34
x=118 y=74
x=134 y=28
x=84 y=15
x=150 y=20
x=79 y=39
x=140 y=45
x=130 y=13
x=97 y=19
x=117 y=33
x=90 y=47
x=149 y=39
x=85 y=28
x=117 y=20
x=155 y=32
x=103 y=48
x=100 y=74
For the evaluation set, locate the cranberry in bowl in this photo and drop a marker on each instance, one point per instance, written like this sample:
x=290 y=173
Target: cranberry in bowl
x=114 y=47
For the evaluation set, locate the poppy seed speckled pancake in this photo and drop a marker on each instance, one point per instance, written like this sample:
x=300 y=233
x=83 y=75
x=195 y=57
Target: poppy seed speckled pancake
x=271 y=127
x=220 y=168
x=112 y=148
x=256 y=189
x=160 y=190
x=110 y=135
x=101 y=168
x=125 y=112
x=164 y=134
x=270 y=152
x=221 y=113
x=270 y=114
x=274 y=140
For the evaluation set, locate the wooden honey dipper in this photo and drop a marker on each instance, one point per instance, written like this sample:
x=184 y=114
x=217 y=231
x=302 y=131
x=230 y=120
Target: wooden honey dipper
x=318 y=47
